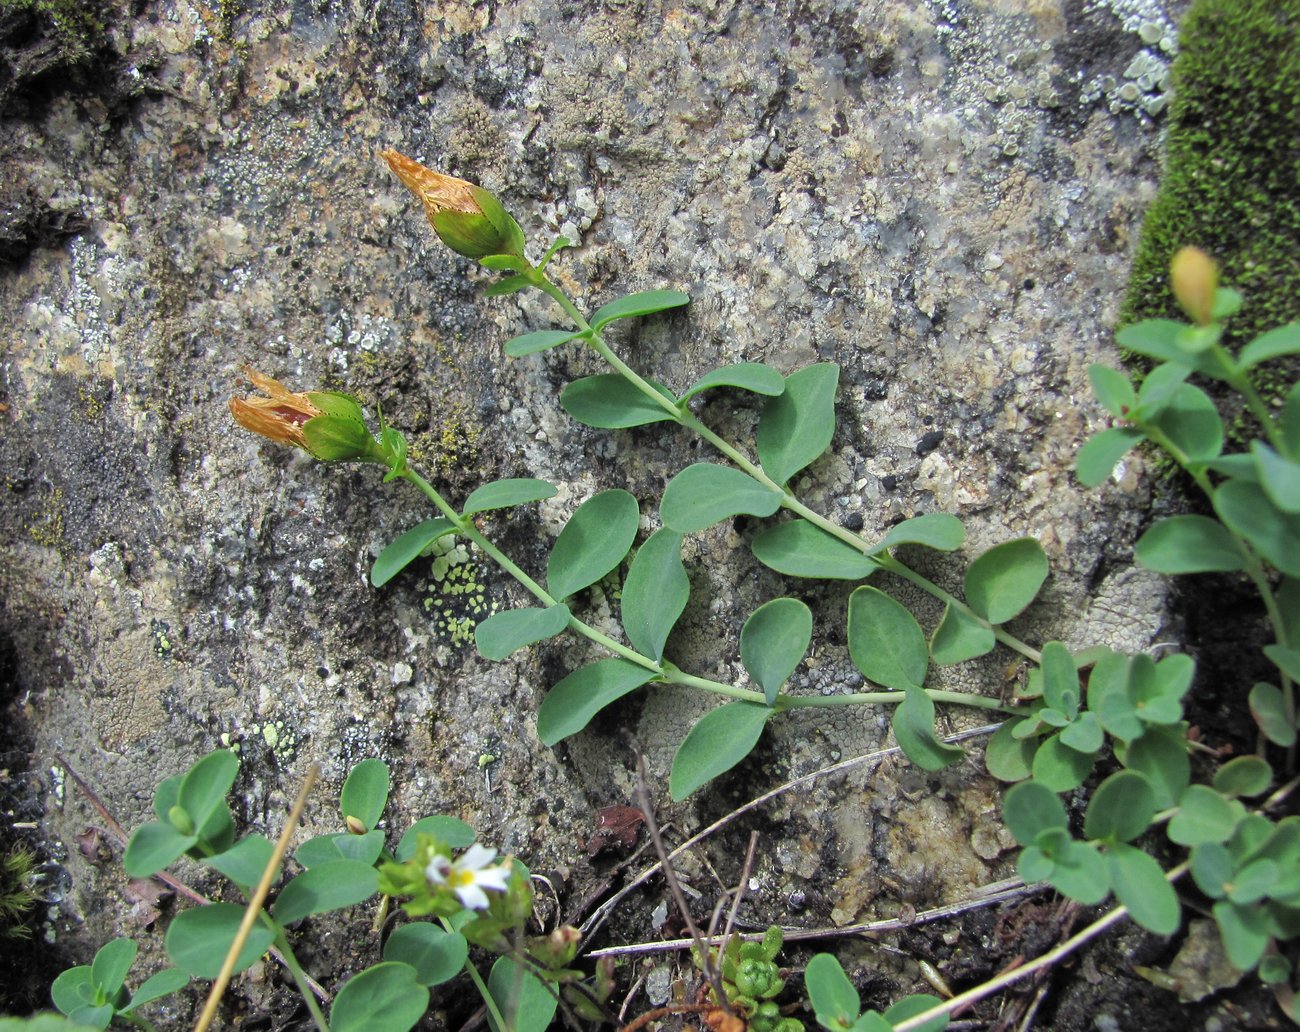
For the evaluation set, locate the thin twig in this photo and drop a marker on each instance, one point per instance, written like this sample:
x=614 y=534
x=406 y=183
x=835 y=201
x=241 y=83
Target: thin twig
x=706 y=962
x=255 y=903
x=1005 y=892
x=740 y=892
x=175 y=884
x=602 y=912
x=1049 y=958
x=663 y=1012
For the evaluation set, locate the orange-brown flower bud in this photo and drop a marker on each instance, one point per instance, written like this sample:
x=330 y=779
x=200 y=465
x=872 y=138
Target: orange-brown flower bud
x=466 y=217
x=329 y=425
x=436 y=191
x=1194 y=280
x=280 y=416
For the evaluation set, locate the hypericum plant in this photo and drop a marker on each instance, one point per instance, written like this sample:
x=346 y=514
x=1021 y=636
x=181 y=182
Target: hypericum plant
x=1246 y=863
x=437 y=868
x=1079 y=707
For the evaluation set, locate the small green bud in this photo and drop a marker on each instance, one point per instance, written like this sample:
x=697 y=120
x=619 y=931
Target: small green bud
x=180 y=819
x=466 y=217
x=354 y=825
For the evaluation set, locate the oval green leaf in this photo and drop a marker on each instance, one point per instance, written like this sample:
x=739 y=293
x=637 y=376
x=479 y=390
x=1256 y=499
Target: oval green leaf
x=1140 y=885
x=203 y=789
x=833 y=998
x=505 y=494
x=797 y=548
x=885 y=641
x=109 y=969
x=245 y=862
x=773 y=643
x=1008 y=757
x=655 y=592
x=1161 y=754
x=1121 y=808
x=1113 y=389
x=936 y=530
x=719 y=740
x=365 y=792
x=1192 y=424
x=503 y=633
x=1188 y=544
x=538 y=340
x=1204 y=816
x=797 y=425
x=645 y=302
x=522 y=998
x=913 y=726
x=152 y=847
x=156 y=986
x=960 y=637
x=1244 y=776
x=407 y=548
x=705 y=493
x=1244 y=930
x=593 y=542
x=1275 y=343
x=328 y=886
x=1029 y=808
x=199 y=939
x=570 y=705
x=1247 y=510
x=384 y=998
x=747 y=376
x=1005 y=579
x=1268 y=707
x=436 y=955
x=450 y=831
x=341 y=845
x=610 y=402
x=1097 y=458
x=1280 y=477
x=1059 y=767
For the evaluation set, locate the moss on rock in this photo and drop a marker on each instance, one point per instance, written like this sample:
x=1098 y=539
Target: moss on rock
x=1232 y=179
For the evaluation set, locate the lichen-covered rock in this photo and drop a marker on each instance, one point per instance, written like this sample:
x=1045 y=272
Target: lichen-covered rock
x=940 y=197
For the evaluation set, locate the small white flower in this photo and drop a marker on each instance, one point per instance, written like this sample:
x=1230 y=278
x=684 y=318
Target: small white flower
x=468 y=875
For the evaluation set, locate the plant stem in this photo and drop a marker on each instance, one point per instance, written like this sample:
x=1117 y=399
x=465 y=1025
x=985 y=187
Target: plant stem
x=465 y=527
x=481 y=986
x=299 y=977
x=1254 y=567
x=684 y=417
x=666 y=672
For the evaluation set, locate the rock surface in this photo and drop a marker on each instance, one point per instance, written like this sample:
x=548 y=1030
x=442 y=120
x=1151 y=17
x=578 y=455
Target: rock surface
x=940 y=197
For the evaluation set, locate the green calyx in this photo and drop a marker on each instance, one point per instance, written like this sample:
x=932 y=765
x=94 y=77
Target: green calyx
x=476 y=235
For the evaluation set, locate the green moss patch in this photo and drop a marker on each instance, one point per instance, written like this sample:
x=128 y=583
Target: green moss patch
x=1232 y=179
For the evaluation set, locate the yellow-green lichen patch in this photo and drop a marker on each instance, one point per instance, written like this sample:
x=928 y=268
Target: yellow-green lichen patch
x=161 y=633
x=457 y=597
x=1233 y=162
x=48 y=526
x=278 y=737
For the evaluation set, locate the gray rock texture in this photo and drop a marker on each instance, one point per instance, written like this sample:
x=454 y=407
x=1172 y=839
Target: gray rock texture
x=942 y=197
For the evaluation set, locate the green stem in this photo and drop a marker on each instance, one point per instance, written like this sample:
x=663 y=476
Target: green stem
x=465 y=527
x=785 y=702
x=666 y=672
x=299 y=976
x=480 y=985
x=1254 y=567
x=789 y=501
x=135 y=1019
